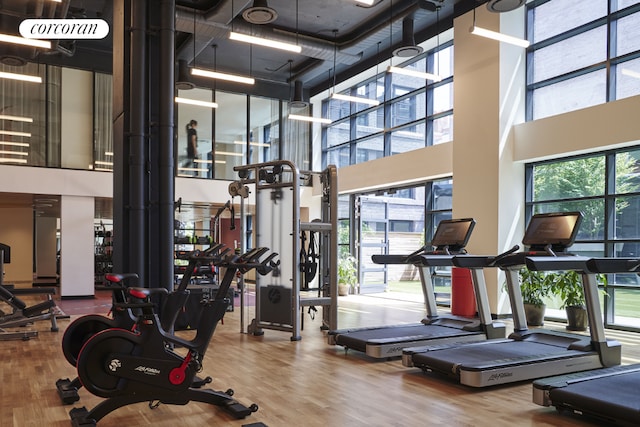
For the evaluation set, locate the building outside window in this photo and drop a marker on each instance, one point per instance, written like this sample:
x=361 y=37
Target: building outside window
x=605 y=187
x=414 y=113
x=582 y=54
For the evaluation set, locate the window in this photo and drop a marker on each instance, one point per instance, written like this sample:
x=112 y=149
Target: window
x=581 y=55
x=413 y=114
x=605 y=187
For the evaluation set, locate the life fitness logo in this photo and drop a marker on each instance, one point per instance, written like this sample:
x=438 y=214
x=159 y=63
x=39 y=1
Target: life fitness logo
x=64 y=28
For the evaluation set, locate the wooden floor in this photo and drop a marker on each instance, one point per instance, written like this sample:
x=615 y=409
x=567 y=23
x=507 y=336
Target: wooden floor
x=304 y=383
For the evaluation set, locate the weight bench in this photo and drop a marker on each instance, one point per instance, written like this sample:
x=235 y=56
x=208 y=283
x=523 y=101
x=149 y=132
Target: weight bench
x=22 y=314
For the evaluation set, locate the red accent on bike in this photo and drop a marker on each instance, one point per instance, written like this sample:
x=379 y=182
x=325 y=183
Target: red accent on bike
x=137 y=294
x=178 y=375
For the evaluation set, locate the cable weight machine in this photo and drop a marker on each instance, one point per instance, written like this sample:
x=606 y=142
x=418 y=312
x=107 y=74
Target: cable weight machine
x=279 y=300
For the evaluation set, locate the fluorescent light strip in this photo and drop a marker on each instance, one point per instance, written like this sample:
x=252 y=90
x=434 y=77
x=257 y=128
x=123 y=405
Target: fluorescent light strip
x=16 y=118
x=21 y=77
x=99 y=162
x=15 y=133
x=630 y=73
x=108 y=153
x=222 y=76
x=229 y=153
x=15 y=153
x=26 y=42
x=15 y=144
x=358 y=99
x=208 y=162
x=196 y=102
x=264 y=42
x=255 y=144
x=478 y=31
x=310 y=119
x=413 y=73
x=9 y=160
x=221 y=162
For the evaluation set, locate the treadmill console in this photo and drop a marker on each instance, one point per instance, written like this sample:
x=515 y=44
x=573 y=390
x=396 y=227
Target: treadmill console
x=452 y=235
x=556 y=231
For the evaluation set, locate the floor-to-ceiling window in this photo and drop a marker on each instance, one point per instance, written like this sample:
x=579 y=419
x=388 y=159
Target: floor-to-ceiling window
x=414 y=112
x=394 y=221
x=605 y=187
x=582 y=54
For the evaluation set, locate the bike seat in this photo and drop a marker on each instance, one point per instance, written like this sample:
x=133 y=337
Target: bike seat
x=143 y=293
x=119 y=277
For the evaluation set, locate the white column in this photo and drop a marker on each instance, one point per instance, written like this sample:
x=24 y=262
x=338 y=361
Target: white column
x=76 y=246
x=488 y=99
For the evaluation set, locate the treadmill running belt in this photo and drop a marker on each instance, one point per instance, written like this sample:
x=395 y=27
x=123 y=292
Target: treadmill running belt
x=611 y=398
x=358 y=340
x=489 y=354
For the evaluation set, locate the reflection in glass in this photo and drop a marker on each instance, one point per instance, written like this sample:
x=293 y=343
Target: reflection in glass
x=103 y=122
x=370 y=149
x=264 y=129
x=408 y=138
x=201 y=166
x=24 y=127
x=569 y=95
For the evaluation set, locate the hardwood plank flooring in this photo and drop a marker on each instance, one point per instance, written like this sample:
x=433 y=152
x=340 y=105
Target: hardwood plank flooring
x=304 y=383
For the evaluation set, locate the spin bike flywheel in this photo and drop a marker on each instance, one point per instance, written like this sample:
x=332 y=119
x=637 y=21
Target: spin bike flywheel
x=97 y=373
x=78 y=333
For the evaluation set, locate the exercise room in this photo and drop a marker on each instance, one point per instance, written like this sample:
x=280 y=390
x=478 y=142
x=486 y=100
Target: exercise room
x=347 y=212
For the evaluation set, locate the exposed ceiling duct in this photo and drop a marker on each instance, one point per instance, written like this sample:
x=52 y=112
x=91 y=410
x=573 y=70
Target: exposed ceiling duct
x=260 y=13
x=500 y=6
x=182 y=76
x=409 y=47
x=207 y=30
x=298 y=100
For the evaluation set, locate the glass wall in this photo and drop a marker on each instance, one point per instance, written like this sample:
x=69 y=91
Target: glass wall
x=582 y=54
x=103 y=122
x=605 y=187
x=23 y=116
x=414 y=112
x=394 y=221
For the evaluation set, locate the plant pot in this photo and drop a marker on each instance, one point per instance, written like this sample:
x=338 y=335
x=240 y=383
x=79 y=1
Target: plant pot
x=576 y=318
x=343 y=290
x=534 y=314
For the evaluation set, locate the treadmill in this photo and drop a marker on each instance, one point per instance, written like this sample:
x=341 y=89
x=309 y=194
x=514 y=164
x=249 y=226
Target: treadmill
x=608 y=395
x=450 y=238
x=525 y=354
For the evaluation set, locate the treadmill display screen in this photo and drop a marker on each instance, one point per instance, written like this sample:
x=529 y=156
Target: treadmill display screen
x=453 y=233
x=556 y=229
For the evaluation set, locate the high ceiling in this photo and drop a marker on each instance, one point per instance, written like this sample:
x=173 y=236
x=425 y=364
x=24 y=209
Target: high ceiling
x=354 y=34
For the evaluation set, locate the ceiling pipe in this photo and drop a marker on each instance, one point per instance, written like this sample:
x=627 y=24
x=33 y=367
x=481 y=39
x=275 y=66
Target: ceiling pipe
x=207 y=31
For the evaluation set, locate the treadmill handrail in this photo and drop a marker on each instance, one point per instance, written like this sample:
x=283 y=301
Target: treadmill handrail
x=557 y=263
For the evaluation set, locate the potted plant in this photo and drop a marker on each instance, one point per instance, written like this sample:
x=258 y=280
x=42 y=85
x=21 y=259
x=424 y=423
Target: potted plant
x=534 y=286
x=347 y=274
x=568 y=285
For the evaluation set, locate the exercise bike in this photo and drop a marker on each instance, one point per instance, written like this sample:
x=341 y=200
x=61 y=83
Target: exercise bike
x=127 y=367
x=125 y=317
